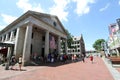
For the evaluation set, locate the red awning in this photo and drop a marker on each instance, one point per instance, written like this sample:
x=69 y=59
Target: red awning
x=3 y=51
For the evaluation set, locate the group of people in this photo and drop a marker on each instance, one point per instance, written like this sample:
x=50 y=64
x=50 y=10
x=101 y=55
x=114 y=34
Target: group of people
x=64 y=57
x=13 y=61
x=51 y=58
x=91 y=58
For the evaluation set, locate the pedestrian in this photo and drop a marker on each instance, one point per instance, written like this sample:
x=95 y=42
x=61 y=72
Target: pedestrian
x=20 y=62
x=72 y=57
x=83 y=58
x=35 y=57
x=91 y=59
x=12 y=62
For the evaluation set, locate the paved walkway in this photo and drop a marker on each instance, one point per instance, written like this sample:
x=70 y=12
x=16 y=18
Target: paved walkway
x=72 y=71
x=115 y=73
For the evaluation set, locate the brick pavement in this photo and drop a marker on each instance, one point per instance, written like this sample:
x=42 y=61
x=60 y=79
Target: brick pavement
x=72 y=71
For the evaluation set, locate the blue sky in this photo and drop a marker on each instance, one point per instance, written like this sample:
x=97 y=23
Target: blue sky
x=88 y=17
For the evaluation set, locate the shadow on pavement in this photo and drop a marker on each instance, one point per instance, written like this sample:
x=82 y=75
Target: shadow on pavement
x=18 y=69
x=54 y=64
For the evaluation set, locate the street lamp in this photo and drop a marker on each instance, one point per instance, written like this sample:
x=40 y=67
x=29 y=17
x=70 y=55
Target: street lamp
x=103 y=45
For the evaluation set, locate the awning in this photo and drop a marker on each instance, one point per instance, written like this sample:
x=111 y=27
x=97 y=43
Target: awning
x=3 y=51
x=6 y=44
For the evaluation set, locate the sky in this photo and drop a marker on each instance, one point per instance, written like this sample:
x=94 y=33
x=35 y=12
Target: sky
x=90 y=18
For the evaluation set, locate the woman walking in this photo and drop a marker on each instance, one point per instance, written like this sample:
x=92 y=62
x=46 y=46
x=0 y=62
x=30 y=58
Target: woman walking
x=91 y=59
x=20 y=62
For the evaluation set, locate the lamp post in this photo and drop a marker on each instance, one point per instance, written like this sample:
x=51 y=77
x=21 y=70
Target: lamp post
x=103 y=47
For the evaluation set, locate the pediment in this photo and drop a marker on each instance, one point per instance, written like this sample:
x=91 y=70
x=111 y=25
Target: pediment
x=50 y=19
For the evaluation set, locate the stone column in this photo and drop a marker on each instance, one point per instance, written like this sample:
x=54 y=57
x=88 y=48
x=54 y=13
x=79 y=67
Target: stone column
x=66 y=46
x=27 y=44
x=8 y=59
x=59 y=45
x=11 y=35
x=2 y=38
x=16 y=41
x=6 y=37
x=47 y=43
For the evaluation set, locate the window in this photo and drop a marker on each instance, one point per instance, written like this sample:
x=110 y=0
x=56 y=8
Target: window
x=4 y=37
x=32 y=35
x=43 y=38
x=75 y=42
x=31 y=48
x=14 y=32
x=73 y=50
x=9 y=35
x=54 y=23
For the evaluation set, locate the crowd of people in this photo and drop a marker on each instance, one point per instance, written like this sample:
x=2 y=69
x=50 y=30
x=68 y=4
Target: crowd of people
x=51 y=58
x=11 y=62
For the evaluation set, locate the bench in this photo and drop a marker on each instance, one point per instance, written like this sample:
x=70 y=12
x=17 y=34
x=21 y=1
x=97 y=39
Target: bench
x=115 y=60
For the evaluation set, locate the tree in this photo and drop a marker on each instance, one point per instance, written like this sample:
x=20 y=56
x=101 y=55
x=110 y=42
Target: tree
x=98 y=44
x=69 y=41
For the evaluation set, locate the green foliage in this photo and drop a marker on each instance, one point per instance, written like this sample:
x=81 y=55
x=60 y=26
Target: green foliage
x=69 y=39
x=97 y=44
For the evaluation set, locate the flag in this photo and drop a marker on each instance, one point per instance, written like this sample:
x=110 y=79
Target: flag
x=52 y=42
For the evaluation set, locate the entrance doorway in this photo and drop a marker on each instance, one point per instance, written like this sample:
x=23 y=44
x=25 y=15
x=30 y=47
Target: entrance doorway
x=43 y=52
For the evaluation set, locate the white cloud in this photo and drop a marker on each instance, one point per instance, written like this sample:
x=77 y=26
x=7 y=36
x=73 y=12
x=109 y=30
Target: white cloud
x=119 y=2
x=104 y=8
x=59 y=9
x=8 y=18
x=2 y=26
x=83 y=6
x=25 y=6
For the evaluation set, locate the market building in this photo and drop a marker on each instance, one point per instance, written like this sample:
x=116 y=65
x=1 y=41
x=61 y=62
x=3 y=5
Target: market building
x=34 y=33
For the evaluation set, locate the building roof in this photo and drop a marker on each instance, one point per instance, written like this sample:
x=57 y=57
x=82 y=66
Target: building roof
x=35 y=14
x=78 y=38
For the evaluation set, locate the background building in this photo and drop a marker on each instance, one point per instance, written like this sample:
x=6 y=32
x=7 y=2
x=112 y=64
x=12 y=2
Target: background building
x=78 y=46
x=114 y=38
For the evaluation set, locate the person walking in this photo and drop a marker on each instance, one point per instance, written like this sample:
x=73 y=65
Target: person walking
x=20 y=62
x=83 y=58
x=91 y=59
x=12 y=62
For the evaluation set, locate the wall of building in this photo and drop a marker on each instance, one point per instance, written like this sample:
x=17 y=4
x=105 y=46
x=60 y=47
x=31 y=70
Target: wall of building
x=37 y=42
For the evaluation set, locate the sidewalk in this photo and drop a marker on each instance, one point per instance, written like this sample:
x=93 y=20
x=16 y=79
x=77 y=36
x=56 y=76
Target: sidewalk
x=115 y=73
x=73 y=71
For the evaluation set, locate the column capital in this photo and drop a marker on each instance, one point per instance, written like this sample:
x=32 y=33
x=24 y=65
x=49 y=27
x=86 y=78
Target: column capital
x=30 y=24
